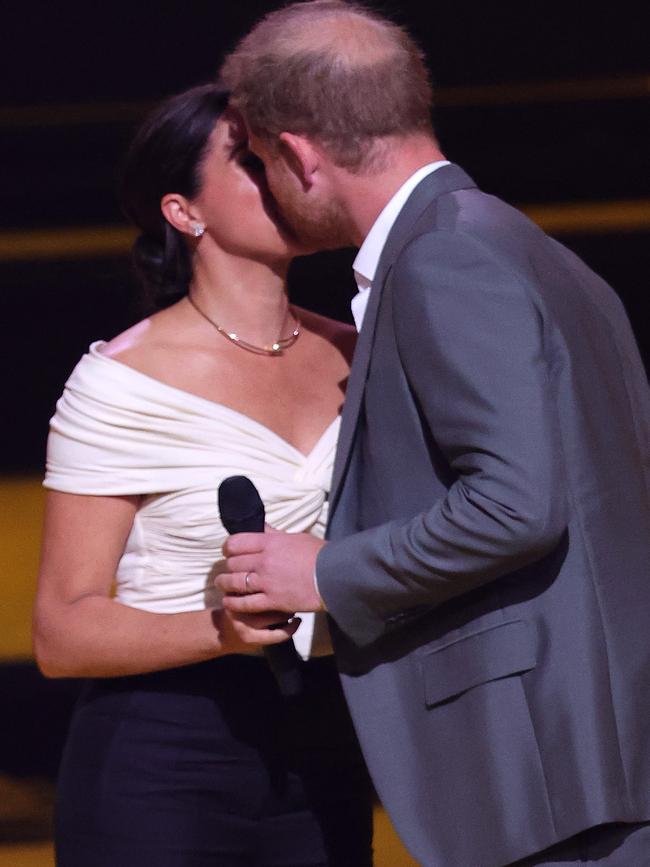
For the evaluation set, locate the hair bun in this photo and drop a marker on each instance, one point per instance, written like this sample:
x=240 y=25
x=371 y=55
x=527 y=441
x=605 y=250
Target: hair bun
x=149 y=258
x=161 y=265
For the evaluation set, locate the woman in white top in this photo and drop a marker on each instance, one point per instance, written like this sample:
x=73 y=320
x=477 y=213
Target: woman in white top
x=182 y=750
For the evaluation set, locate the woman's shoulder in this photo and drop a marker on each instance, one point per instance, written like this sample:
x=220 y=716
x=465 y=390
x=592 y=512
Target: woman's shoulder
x=146 y=346
x=340 y=334
x=129 y=341
x=126 y=370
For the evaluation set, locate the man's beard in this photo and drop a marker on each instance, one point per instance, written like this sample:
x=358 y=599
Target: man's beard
x=317 y=225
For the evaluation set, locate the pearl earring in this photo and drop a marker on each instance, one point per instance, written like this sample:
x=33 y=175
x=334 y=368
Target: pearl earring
x=198 y=229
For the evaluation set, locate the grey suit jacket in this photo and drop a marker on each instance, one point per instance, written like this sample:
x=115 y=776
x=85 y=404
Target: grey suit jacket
x=488 y=571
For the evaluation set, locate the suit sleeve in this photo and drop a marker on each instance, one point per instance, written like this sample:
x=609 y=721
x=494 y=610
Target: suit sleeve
x=471 y=342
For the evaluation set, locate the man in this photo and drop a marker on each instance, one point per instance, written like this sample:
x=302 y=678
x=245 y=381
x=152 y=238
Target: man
x=489 y=541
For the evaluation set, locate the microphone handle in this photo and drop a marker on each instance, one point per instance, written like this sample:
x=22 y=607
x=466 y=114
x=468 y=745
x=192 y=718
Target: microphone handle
x=285 y=663
x=283 y=659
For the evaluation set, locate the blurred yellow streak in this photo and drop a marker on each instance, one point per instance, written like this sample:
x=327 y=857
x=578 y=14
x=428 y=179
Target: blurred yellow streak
x=72 y=114
x=562 y=218
x=21 y=513
x=27 y=855
x=528 y=92
x=629 y=87
x=389 y=850
x=70 y=243
x=591 y=218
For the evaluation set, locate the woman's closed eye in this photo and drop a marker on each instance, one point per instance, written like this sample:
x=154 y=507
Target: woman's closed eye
x=252 y=162
x=248 y=160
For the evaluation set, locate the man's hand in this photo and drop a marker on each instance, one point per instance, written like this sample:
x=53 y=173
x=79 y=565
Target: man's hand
x=280 y=569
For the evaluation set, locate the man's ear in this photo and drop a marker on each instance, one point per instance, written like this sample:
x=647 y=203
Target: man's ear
x=179 y=213
x=301 y=157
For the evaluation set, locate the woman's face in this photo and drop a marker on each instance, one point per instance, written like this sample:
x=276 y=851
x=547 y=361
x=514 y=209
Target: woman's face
x=235 y=203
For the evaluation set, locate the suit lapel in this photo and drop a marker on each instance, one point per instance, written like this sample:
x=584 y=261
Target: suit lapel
x=356 y=383
x=445 y=179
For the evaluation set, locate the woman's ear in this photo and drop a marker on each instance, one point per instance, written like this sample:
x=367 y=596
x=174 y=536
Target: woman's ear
x=300 y=156
x=178 y=212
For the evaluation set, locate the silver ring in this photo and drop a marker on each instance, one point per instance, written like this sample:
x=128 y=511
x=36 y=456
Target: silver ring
x=247 y=583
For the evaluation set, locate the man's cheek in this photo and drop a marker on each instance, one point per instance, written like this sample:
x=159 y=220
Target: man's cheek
x=273 y=179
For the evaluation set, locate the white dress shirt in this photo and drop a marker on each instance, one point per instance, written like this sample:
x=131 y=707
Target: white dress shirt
x=365 y=264
x=367 y=259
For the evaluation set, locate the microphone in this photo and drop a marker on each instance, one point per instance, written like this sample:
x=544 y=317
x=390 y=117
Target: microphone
x=242 y=511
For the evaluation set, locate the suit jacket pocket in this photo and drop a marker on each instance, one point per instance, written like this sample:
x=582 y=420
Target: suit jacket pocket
x=506 y=649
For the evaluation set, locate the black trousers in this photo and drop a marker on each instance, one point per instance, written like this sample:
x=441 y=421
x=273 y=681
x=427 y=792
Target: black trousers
x=208 y=766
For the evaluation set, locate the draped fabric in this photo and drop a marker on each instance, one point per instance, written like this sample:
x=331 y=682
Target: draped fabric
x=117 y=431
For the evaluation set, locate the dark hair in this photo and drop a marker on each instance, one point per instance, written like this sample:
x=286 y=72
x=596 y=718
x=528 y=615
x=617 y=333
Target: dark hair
x=166 y=156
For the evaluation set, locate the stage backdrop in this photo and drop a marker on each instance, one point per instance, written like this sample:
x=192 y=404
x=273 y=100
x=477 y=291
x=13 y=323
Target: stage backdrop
x=544 y=104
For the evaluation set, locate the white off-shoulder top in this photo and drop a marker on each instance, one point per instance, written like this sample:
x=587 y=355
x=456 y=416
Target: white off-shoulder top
x=117 y=431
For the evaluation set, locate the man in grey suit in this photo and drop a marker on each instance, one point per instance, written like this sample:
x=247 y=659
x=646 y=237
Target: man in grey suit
x=487 y=569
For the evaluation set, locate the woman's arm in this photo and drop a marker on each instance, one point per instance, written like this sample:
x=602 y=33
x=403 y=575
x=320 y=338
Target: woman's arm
x=80 y=631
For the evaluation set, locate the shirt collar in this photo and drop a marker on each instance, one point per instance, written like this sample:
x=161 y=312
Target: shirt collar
x=367 y=259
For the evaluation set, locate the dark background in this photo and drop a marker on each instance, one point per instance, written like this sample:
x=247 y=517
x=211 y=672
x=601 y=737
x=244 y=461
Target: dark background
x=540 y=102
x=76 y=77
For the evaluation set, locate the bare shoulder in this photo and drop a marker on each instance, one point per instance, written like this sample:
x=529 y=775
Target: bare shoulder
x=340 y=335
x=141 y=344
x=128 y=340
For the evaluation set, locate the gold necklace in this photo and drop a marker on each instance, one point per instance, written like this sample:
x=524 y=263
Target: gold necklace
x=276 y=348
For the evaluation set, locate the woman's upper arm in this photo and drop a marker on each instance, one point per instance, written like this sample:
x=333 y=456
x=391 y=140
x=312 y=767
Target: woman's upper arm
x=83 y=540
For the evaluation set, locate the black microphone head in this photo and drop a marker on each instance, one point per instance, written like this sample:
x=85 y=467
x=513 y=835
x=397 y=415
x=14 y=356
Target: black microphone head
x=240 y=506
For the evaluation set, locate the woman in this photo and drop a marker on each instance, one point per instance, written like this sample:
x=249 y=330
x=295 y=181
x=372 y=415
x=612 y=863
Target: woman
x=181 y=750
